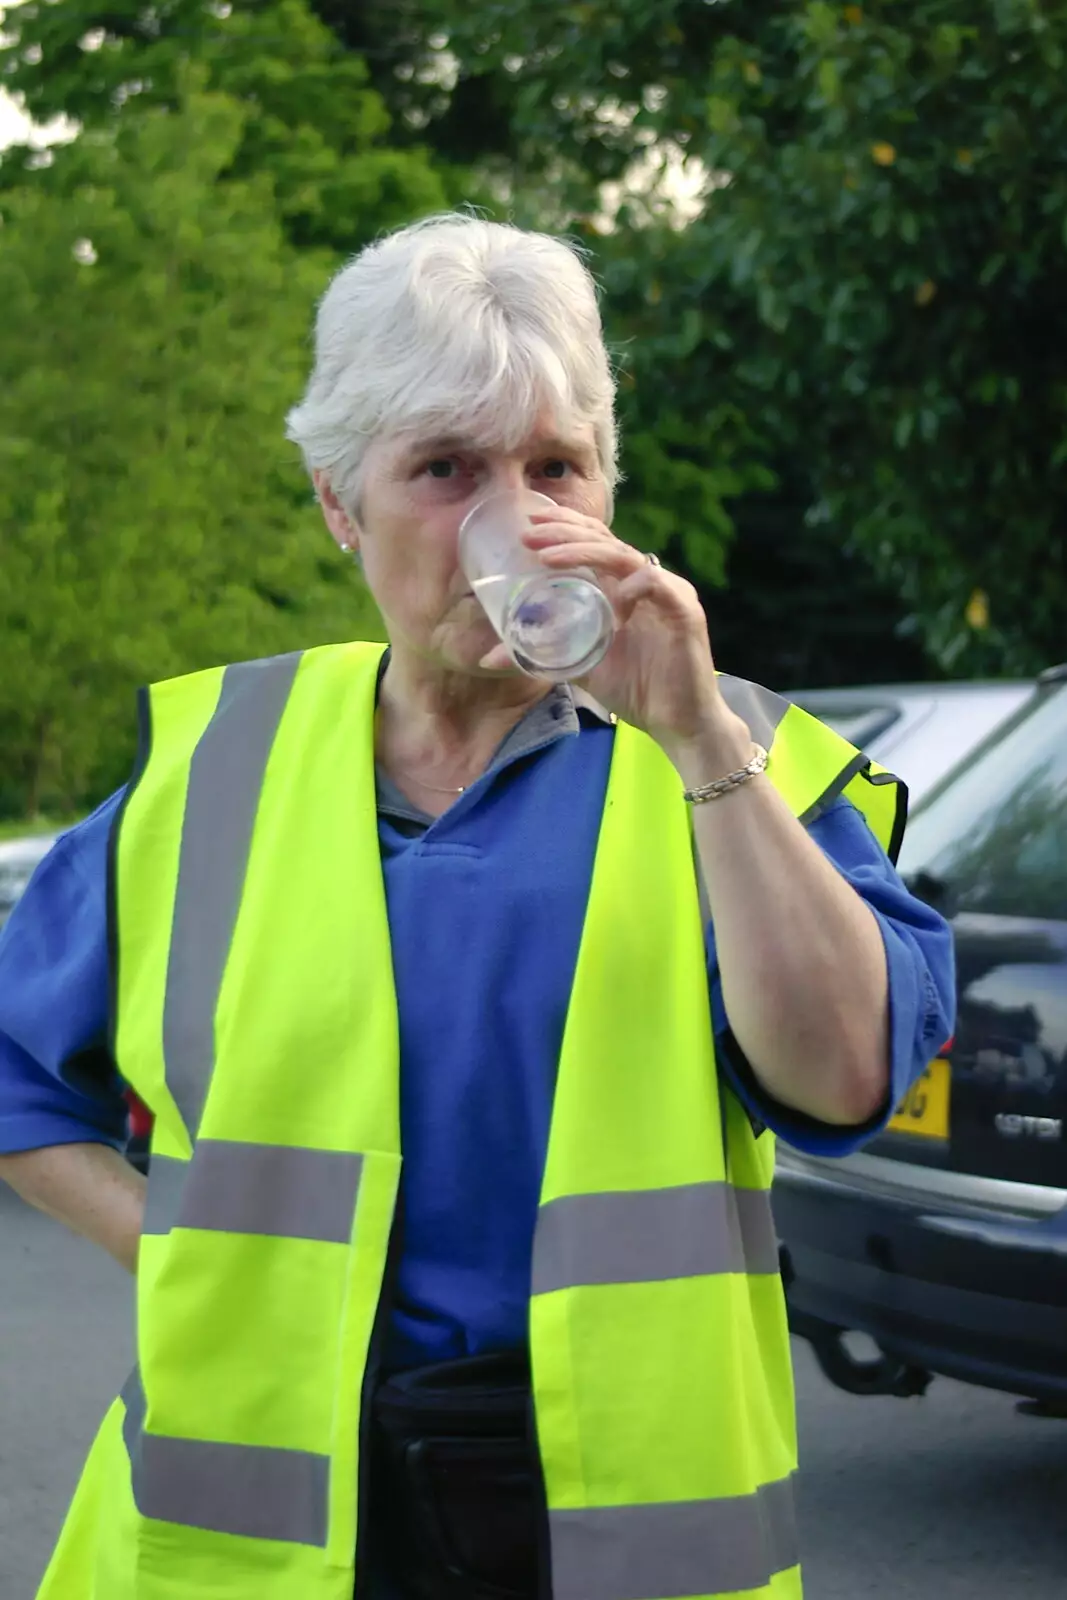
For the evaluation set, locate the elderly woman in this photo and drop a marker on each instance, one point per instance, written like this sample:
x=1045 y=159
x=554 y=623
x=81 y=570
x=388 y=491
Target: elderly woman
x=466 y=1025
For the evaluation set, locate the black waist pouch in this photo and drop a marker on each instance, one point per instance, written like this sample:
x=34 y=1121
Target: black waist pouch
x=456 y=1499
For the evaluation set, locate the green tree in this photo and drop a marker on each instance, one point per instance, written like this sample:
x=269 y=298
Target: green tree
x=690 y=448
x=889 y=207
x=708 y=484
x=700 y=460
x=152 y=517
x=313 y=121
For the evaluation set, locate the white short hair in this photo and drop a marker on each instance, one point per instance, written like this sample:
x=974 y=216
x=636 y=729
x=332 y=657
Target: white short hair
x=461 y=326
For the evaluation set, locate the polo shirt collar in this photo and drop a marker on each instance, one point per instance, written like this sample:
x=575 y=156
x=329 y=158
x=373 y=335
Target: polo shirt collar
x=558 y=713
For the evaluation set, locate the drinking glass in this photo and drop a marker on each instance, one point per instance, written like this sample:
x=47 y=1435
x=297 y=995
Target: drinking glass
x=555 y=624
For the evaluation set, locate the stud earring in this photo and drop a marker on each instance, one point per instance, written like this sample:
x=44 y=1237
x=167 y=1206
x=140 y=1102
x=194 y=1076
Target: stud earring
x=348 y=548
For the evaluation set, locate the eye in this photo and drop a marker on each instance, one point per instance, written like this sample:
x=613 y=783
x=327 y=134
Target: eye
x=556 y=468
x=442 y=467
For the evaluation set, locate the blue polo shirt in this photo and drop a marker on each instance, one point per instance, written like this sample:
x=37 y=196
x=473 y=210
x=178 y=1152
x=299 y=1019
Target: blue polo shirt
x=486 y=906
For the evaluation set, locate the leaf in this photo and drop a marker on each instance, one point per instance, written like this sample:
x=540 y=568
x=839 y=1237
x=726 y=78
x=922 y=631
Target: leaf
x=829 y=81
x=903 y=429
x=722 y=114
x=976 y=611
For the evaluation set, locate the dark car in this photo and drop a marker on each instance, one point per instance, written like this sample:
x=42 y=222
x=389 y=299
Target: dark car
x=945 y=1240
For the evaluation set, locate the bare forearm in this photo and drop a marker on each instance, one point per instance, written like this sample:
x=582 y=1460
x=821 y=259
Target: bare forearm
x=89 y=1187
x=801 y=957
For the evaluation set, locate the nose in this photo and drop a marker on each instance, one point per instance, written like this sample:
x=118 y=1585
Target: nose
x=504 y=477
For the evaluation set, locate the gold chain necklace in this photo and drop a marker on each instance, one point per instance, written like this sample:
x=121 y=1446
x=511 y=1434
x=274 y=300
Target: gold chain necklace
x=433 y=788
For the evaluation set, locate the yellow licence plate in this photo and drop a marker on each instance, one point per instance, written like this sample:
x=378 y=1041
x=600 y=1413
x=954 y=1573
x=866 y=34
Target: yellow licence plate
x=924 y=1109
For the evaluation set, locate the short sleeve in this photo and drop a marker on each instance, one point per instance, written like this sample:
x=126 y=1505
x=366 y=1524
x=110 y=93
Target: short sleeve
x=58 y=1082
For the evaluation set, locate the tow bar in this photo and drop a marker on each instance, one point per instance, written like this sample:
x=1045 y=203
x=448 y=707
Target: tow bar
x=883 y=1374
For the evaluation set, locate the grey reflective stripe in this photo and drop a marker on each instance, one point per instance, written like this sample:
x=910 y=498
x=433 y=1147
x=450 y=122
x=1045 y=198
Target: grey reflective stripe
x=257 y=1188
x=133 y=1399
x=166 y=1185
x=761 y=708
x=225 y=779
x=759 y=1236
x=651 y=1235
x=763 y=711
x=664 y=1552
x=230 y=1488
x=833 y=791
x=225 y=1488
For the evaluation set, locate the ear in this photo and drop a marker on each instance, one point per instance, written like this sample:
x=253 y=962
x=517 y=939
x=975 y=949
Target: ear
x=344 y=527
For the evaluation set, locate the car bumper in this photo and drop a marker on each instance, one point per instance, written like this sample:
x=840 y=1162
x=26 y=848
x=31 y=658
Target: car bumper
x=970 y=1290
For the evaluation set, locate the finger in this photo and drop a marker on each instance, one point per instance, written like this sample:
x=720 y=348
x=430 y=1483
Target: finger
x=641 y=585
x=564 y=513
x=675 y=597
x=608 y=557
x=576 y=526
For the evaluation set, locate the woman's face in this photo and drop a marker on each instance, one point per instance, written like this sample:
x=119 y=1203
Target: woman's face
x=417 y=489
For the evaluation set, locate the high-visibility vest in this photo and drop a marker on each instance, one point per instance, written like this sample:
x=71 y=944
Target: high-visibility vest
x=256 y=1015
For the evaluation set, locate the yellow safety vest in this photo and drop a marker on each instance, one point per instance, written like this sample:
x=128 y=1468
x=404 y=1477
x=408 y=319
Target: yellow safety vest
x=255 y=1014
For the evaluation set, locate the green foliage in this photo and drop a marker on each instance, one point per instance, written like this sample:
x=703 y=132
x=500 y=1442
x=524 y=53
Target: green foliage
x=849 y=359
x=312 y=121
x=799 y=609
x=892 y=228
x=469 y=121
x=152 y=517
x=690 y=450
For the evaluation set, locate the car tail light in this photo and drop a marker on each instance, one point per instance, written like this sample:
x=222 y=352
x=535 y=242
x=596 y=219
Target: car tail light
x=140 y=1117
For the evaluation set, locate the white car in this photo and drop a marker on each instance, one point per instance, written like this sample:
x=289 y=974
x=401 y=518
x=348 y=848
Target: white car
x=18 y=858
x=918 y=730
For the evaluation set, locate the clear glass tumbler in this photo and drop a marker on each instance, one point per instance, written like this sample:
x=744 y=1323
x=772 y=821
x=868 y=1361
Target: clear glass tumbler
x=555 y=624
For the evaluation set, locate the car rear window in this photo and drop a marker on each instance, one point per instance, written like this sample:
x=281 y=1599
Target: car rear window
x=994 y=839
x=858 y=726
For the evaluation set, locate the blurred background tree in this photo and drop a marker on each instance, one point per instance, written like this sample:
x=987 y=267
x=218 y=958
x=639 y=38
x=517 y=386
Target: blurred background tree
x=152 y=518
x=886 y=208
x=313 y=122
x=829 y=238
